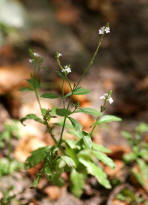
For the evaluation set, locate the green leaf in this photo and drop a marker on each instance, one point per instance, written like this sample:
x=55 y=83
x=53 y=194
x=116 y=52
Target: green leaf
x=75 y=132
x=69 y=161
x=37 y=178
x=87 y=140
x=34 y=82
x=142 y=127
x=77 y=183
x=129 y=157
x=121 y=197
x=32 y=117
x=143 y=166
x=53 y=111
x=75 y=123
x=26 y=89
x=72 y=154
x=138 y=177
x=50 y=95
x=143 y=152
x=37 y=156
x=108 y=118
x=61 y=163
x=72 y=144
x=90 y=111
x=63 y=112
x=100 y=148
x=104 y=158
x=97 y=172
x=127 y=135
x=85 y=154
x=78 y=91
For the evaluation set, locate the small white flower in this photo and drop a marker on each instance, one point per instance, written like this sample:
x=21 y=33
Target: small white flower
x=104 y=30
x=66 y=69
x=36 y=54
x=110 y=100
x=30 y=60
x=103 y=96
x=107 y=29
x=59 y=54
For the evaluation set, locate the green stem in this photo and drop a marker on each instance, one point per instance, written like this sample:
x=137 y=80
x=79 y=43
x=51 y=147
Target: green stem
x=62 y=131
x=91 y=61
x=47 y=125
x=9 y=153
x=63 y=99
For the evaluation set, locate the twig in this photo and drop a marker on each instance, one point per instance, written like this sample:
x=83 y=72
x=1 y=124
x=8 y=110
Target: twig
x=116 y=191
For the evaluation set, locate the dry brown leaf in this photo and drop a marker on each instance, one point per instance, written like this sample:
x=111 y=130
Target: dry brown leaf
x=53 y=192
x=117 y=171
x=34 y=170
x=68 y=14
x=42 y=183
x=34 y=202
x=118 y=202
x=85 y=120
x=7 y=52
x=13 y=77
x=117 y=151
x=26 y=146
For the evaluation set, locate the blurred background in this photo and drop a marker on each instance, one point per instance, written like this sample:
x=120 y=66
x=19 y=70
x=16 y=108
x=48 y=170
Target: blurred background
x=71 y=27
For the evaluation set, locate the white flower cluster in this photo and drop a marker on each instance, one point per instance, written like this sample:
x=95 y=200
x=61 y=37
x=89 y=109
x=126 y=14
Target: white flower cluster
x=66 y=69
x=35 y=55
x=110 y=99
x=104 y=30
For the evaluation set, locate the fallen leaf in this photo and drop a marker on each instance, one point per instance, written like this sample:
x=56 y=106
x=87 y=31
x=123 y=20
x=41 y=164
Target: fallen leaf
x=13 y=78
x=34 y=170
x=26 y=146
x=53 y=192
x=117 y=151
x=118 y=172
x=68 y=15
